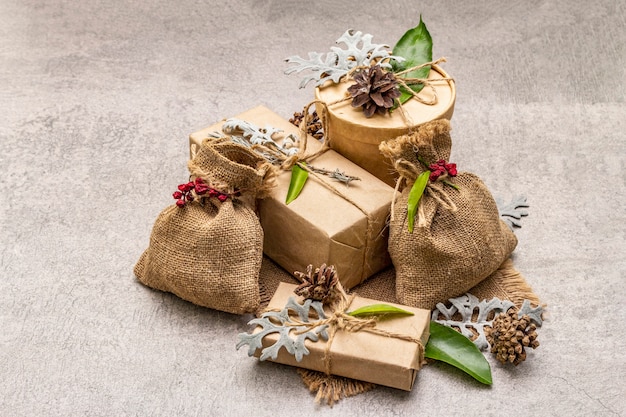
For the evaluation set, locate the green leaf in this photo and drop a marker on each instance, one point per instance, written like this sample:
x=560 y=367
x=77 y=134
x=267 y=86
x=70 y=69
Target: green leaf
x=416 y=46
x=299 y=176
x=377 y=310
x=447 y=345
x=414 y=197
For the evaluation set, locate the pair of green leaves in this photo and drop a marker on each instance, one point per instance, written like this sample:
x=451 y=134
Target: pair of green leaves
x=444 y=344
x=416 y=46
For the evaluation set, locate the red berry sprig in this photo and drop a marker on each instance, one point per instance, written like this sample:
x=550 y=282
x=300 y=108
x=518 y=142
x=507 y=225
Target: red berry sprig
x=198 y=187
x=440 y=168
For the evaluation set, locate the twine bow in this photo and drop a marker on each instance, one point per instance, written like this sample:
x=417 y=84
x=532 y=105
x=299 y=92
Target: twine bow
x=427 y=82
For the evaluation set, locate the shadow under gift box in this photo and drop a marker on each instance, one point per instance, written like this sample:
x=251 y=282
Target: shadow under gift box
x=357 y=137
x=360 y=355
x=329 y=222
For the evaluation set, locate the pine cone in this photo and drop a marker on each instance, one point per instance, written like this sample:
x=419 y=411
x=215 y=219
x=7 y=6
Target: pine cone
x=509 y=336
x=375 y=90
x=313 y=126
x=317 y=285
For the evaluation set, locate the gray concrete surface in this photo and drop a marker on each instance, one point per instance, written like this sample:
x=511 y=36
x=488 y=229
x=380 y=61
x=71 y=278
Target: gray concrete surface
x=97 y=99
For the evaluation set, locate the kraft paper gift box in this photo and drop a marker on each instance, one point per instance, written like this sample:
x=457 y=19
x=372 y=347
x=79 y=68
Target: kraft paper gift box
x=361 y=355
x=330 y=222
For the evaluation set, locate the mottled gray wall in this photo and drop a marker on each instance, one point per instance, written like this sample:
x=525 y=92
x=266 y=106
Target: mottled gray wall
x=97 y=99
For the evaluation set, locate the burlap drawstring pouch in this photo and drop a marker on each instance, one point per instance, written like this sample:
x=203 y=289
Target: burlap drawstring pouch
x=455 y=238
x=208 y=247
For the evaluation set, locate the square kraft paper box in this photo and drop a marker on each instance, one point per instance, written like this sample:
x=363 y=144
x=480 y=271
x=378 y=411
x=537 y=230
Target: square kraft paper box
x=344 y=226
x=361 y=355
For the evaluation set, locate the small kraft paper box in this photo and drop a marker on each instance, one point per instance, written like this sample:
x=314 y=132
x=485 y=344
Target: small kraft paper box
x=360 y=355
x=330 y=222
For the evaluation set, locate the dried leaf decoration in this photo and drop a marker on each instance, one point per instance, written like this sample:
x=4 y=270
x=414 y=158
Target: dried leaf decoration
x=449 y=346
x=265 y=142
x=473 y=315
x=379 y=310
x=359 y=51
x=299 y=176
x=292 y=338
x=512 y=212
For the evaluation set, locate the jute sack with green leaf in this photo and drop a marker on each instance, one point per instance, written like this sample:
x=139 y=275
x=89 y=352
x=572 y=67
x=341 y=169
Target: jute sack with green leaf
x=208 y=247
x=445 y=233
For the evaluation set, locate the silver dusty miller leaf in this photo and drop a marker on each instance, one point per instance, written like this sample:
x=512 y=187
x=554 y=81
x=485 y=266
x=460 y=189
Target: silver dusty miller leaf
x=291 y=337
x=253 y=134
x=248 y=134
x=359 y=51
x=511 y=213
x=534 y=313
x=467 y=305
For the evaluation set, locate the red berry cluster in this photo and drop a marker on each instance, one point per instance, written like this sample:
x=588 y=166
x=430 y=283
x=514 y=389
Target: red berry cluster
x=440 y=168
x=185 y=192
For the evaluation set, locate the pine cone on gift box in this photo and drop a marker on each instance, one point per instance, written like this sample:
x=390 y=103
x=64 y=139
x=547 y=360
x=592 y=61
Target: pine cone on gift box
x=317 y=285
x=375 y=90
x=510 y=335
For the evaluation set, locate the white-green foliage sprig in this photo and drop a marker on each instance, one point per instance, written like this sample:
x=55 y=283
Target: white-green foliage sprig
x=248 y=134
x=359 y=51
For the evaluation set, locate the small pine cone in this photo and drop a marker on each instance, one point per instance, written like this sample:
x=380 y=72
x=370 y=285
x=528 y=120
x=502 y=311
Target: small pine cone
x=510 y=335
x=313 y=125
x=375 y=90
x=317 y=285
x=297 y=118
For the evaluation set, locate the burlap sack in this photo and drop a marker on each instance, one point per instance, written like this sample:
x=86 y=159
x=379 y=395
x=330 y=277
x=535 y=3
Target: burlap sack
x=210 y=251
x=458 y=239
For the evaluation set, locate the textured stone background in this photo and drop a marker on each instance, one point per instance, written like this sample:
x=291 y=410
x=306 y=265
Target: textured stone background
x=97 y=99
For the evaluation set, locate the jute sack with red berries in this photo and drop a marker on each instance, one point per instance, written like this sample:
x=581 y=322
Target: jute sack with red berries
x=208 y=247
x=445 y=232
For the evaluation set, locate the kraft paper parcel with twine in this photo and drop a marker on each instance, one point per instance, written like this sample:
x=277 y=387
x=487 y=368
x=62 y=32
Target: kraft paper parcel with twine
x=329 y=222
x=209 y=252
x=361 y=354
x=506 y=284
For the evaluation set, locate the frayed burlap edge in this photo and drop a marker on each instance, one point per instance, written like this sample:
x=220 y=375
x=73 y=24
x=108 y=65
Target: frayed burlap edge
x=330 y=388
